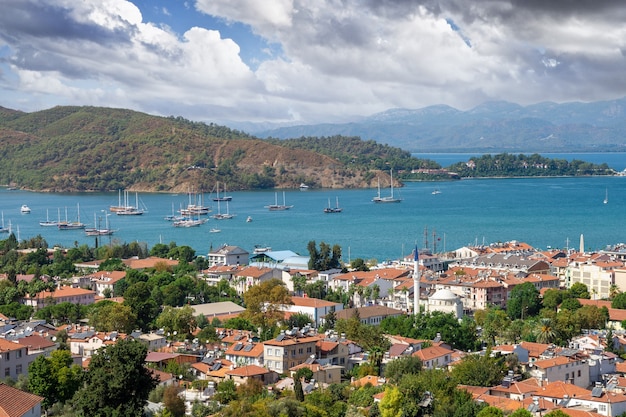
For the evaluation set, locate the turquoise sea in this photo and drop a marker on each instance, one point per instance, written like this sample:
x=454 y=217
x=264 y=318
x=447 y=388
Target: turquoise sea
x=540 y=211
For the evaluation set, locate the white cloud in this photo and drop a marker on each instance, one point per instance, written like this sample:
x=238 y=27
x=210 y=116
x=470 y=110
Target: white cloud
x=335 y=58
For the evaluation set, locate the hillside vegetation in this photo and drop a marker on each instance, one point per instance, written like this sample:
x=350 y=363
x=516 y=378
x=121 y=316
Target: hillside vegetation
x=103 y=149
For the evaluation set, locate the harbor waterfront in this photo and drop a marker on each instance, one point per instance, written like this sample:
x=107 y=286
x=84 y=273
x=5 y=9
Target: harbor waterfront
x=544 y=212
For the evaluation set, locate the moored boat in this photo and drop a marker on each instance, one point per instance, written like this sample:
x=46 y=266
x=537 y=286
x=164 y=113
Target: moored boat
x=25 y=209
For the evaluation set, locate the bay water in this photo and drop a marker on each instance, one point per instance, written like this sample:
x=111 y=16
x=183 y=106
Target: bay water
x=543 y=212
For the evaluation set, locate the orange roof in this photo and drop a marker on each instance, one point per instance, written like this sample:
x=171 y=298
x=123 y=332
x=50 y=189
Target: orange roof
x=255 y=352
x=620 y=367
x=597 y=303
x=253 y=271
x=249 y=370
x=558 y=389
x=6 y=346
x=534 y=349
x=109 y=277
x=369 y=379
x=291 y=341
x=432 y=352
x=64 y=291
x=150 y=262
x=311 y=302
x=16 y=403
x=549 y=363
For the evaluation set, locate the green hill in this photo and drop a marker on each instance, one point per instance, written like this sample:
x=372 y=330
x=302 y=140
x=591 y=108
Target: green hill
x=103 y=149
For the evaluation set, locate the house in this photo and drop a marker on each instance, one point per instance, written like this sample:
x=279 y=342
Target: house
x=368 y=286
x=211 y=368
x=154 y=341
x=241 y=375
x=312 y=307
x=288 y=350
x=60 y=295
x=17 y=403
x=245 y=353
x=85 y=343
x=561 y=368
x=434 y=357
x=327 y=374
x=14 y=359
x=228 y=255
x=253 y=275
x=332 y=351
x=369 y=315
x=103 y=282
x=38 y=345
x=220 y=310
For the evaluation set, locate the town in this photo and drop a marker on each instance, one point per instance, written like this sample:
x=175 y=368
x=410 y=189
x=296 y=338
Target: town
x=498 y=329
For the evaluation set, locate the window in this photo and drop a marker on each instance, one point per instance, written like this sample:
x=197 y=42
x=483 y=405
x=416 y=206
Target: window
x=309 y=349
x=19 y=353
x=7 y=372
x=18 y=369
x=579 y=372
x=7 y=356
x=301 y=351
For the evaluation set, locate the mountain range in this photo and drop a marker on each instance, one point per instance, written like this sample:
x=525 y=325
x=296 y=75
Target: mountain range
x=496 y=126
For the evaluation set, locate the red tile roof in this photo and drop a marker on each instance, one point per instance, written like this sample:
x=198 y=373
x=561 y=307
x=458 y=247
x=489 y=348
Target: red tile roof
x=16 y=403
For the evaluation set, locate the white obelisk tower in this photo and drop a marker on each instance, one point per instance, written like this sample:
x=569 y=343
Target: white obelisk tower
x=582 y=243
x=416 y=282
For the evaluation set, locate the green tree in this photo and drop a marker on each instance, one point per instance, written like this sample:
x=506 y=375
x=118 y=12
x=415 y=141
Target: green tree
x=56 y=378
x=521 y=412
x=391 y=404
x=173 y=402
x=490 y=411
x=552 y=298
x=297 y=389
x=546 y=332
x=110 y=316
x=179 y=320
x=116 y=383
x=264 y=304
x=556 y=413
x=480 y=370
x=579 y=290
x=571 y=304
x=524 y=301
x=399 y=367
x=619 y=301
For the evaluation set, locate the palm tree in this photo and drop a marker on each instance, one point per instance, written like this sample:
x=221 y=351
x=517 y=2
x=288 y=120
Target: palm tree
x=546 y=333
x=613 y=291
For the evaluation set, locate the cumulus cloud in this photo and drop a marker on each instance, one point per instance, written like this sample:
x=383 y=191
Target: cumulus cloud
x=330 y=60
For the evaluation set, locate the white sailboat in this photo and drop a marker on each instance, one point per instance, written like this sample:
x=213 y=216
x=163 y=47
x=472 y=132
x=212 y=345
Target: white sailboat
x=387 y=199
x=222 y=216
x=4 y=229
x=67 y=225
x=128 y=209
x=335 y=209
x=48 y=222
x=217 y=194
x=276 y=206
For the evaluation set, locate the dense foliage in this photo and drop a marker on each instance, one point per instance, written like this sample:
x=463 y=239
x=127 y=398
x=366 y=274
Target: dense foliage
x=535 y=165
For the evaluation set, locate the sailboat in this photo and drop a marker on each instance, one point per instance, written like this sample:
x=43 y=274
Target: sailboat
x=222 y=216
x=387 y=199
x=217 y=194
x=128 y=209
x=48 y=222
x=67 y=225
x=4 y=229
x=97 y=230
x=335 y=209
x=606 y=197
x=196 y=206
x=276 y=206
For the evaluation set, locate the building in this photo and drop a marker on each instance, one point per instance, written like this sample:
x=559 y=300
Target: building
x=60 y=295
x=434 y=357
x=369 y=315
x=228 y=255
x=287 y=351
x=104 y=281
x=446 y=301
x=245 y=353
x=243 y=374
x=17 y=403
x=14 y=359
x=312 y=307
x=561 y=368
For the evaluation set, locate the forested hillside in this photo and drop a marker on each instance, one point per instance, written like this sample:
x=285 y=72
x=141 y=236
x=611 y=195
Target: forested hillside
x=103 y=149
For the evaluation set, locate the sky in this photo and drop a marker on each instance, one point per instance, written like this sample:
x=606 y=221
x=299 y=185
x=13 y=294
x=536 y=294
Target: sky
x=307 y=61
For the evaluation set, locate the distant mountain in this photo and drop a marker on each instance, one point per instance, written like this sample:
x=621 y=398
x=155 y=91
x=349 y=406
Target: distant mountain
x=496 y=126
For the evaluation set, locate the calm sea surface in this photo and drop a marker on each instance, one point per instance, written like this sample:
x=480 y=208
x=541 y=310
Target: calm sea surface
x=540 y=211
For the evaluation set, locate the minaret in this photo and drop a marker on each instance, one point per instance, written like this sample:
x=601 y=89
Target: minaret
x=416 y=282
x=582 y=243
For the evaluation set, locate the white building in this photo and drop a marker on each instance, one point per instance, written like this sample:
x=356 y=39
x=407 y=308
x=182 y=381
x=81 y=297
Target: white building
x=447 y=302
